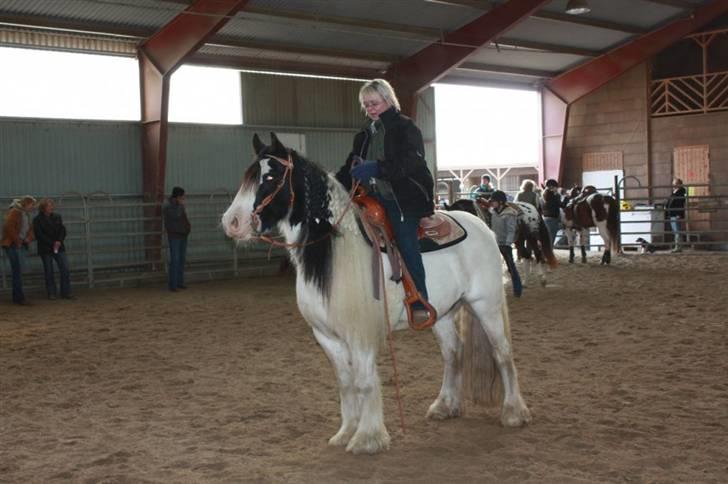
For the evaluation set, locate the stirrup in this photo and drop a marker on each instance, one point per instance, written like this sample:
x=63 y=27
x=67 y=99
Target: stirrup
x=412 y=296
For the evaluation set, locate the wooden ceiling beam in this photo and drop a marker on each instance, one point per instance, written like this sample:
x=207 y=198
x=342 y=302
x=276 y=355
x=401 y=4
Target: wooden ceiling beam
x=684 y=4
x=542 y=46
x=518 y=71
x=286 y=66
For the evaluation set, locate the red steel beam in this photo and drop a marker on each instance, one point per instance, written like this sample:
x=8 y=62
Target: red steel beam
x=418 y=71
x=586 y=78
x=159 y=57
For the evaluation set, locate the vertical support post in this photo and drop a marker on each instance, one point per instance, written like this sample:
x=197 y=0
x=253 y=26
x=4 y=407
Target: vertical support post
x=618 y=198
x=555 y=112
x=159 y=56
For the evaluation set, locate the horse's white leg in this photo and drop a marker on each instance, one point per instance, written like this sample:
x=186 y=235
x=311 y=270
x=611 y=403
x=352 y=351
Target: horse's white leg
x=338 y=353
x=447 y=403
x=371 y=435
x=526 y=273
x=514 y=411
x=542 y=273
x=602 y=228
x=571 y=238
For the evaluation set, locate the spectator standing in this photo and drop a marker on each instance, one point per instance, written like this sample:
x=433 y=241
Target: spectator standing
x=17 y=235
x=675 y=209
x=528 y=195
x=178 y=229
x=485 y=189
x=551 y=208
x=50 y=234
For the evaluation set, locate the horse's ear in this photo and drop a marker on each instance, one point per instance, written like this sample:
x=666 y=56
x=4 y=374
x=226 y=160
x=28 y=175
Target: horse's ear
x=276 y=144
x=258 y=145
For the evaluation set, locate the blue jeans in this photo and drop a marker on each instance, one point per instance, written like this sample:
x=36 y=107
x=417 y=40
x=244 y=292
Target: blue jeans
x=16 y=256
x=552 y=224
x=675 y=226
x=405 y=234
x=50 y=280
x=507 y=253
x=177 y=254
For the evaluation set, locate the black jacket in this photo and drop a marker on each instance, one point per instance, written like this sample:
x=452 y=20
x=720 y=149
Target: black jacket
x=403 y=165
x=676 y=203
x=49 y=229
x=175 y=220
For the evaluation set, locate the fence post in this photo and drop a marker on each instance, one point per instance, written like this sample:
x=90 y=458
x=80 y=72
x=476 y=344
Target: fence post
x=619 y=214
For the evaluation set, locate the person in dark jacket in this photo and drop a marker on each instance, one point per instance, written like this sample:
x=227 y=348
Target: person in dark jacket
x=675 y=210
x=551 y=208
x=389 y=156
x=178 y=229
x=50 y=234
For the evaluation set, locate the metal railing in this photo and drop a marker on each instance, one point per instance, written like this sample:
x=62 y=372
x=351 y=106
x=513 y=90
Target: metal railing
x=107 y=244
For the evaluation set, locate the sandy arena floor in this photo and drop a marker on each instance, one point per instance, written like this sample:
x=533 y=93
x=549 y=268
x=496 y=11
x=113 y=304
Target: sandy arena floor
x=625 y=369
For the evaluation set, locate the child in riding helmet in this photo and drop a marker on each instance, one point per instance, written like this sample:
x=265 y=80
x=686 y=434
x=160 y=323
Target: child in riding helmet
x=504 y=220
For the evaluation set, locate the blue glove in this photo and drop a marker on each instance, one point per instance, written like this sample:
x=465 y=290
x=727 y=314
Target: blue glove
x=365 y=170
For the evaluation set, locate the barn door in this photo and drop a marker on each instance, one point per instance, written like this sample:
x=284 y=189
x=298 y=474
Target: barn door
x=692 y=165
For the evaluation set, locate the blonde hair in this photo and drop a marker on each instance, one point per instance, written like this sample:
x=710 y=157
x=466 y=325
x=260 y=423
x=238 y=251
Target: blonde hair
x=382 y=88
x=527 y=185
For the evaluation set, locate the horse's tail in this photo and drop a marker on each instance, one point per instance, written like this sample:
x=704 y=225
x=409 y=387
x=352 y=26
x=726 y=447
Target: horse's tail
x=613 y=223
x=544 y=238
x=481 y=378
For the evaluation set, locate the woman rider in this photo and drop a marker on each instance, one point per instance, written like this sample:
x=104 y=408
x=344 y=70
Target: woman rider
x=390 y=149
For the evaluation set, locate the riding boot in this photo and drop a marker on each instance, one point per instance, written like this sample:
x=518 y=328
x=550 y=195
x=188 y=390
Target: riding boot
x=571 y=255
x=583 y=254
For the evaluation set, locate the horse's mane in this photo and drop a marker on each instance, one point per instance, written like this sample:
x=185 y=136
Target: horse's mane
x=311 y=210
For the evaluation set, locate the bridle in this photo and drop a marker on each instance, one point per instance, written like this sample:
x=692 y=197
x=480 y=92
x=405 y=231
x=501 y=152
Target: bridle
x=287 y=174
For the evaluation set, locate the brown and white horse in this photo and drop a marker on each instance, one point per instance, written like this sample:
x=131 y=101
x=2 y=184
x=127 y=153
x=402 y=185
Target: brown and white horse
x=589 y=208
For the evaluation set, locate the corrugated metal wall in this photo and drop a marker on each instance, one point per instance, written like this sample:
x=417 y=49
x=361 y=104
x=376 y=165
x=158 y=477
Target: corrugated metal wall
x=48 y=157
x=300 y=101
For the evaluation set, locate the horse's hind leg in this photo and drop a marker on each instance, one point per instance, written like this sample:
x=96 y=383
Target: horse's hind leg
x=496 y=326
x=338 y=353
x=447 y=403
x=371 y=435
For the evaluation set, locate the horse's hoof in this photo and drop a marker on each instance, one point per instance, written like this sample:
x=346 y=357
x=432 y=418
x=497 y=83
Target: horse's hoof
x=369 y=443
x=583 y=260
x=515 y=415
x=571 y=260
x=440 y=411
x=342 y=437
x=543 y=282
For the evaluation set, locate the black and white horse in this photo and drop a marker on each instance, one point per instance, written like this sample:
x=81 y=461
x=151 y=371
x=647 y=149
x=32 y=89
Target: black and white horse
x=310 y=208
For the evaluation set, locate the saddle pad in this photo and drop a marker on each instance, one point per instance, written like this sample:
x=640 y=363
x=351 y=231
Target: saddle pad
x=456 y=234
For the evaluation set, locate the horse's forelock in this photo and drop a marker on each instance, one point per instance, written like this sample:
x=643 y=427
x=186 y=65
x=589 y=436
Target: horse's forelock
x=251 y=176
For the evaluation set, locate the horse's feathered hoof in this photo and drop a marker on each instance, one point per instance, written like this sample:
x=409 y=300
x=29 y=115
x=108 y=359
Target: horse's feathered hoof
x=441 y=411
x=515 y=415
x=342 y=437
x=369 y=443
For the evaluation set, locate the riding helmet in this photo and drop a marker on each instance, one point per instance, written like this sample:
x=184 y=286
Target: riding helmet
x=498 y=196
x=551 y=183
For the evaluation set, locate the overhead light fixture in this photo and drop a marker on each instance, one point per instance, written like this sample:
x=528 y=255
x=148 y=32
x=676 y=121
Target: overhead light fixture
x=577 y=7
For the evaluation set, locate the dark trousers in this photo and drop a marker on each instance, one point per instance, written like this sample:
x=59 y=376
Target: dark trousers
x=405 y=234
x=507 y=254
x=15 y=256
x=50 y=280
x=177 y=254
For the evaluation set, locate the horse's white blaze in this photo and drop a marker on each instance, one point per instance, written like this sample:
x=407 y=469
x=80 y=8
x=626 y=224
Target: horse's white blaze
x=236 y=221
